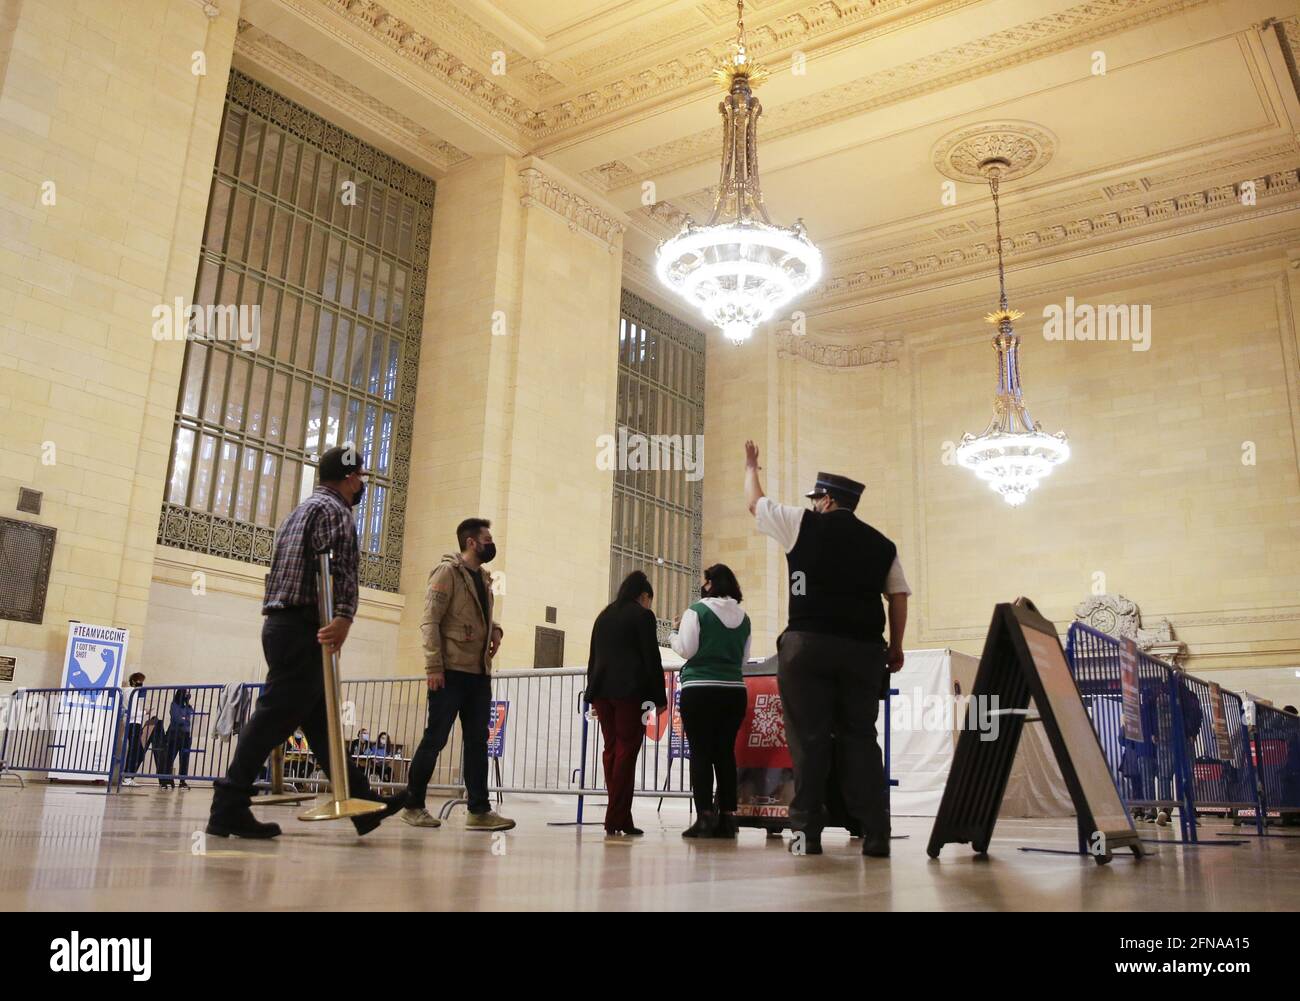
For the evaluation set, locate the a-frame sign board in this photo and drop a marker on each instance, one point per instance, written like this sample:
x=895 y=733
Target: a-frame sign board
x=1022 y=659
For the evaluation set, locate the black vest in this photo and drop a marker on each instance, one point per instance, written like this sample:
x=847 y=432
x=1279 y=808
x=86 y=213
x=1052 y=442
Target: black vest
x=838 y=568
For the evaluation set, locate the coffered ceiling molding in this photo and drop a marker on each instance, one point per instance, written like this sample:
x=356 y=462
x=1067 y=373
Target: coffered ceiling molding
x=540 y=187
x=1271 y=187
x=881 y=353
x=255 y=49
x=935 y=71
x=1288 y=33
x=1026 y=146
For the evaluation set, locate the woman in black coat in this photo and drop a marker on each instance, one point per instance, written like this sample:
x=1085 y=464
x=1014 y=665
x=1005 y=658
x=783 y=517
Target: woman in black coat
x=625 y=679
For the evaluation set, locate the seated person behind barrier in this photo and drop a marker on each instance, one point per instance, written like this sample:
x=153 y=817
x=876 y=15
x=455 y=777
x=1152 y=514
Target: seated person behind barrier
x=296 y=763
x=379 y=751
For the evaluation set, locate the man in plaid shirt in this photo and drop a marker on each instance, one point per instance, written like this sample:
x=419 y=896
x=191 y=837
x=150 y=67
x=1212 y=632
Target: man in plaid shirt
x=292 y=637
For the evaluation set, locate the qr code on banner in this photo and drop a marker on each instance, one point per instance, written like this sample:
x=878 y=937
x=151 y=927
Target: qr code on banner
x=768 y=729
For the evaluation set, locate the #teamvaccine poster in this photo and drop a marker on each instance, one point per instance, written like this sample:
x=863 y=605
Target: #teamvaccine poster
x=83 y=717
x=93 y=659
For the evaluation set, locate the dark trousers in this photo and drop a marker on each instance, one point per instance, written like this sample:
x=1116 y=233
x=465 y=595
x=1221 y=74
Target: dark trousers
x=470 y=697
x=294 y=696
x=621 y=732
x=830 y=694
x=134 y=749
x=177 y=741
x=712 y=717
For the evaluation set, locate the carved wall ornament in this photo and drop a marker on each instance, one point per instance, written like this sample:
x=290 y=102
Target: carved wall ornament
x=1120 y=617
x=579 y=213
x=882 y=353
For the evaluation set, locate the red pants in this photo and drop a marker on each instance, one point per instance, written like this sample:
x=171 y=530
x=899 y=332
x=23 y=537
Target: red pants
x=622 y=732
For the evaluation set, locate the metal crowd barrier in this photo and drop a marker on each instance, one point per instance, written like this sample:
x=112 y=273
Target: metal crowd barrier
x=1186 y=758
x=1221 y=772
x=60 y=732
x=1149 y=773
x=1277 y=759
x=170 y=734
x=544 y=738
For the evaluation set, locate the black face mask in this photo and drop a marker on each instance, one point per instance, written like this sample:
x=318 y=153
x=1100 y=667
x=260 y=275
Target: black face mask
x=488 y=553
x=361 y=492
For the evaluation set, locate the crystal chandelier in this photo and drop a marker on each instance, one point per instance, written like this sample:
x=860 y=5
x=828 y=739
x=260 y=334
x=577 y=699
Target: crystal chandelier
x=738 y=268
x=1014 y=452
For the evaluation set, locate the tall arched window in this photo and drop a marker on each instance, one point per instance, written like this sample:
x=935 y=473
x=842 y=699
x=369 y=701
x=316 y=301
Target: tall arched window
x=657 y=511
x=329 y=239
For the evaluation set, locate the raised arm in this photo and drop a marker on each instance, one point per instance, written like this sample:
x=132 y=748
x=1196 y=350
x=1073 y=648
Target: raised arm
x=753 y=489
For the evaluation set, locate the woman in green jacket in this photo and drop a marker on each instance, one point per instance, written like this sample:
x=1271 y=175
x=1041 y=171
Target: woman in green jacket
x=713 y=637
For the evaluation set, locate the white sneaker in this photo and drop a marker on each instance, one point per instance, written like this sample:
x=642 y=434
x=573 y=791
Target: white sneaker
x=420 y=817
x=128 y=782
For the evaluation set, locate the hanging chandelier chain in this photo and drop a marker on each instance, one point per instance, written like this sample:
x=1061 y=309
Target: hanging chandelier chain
x=740 y=23
x=997 y=217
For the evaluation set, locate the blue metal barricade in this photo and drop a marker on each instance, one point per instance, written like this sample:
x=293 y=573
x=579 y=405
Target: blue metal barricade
x=64 y=732
x=170 y=734
x=1194 y=750
x=1148 y=767
x=1220 y=772
x=1277 y=758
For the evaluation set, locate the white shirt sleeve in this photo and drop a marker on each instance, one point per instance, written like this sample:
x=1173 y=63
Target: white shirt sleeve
x=686 y=641
x=779 y=521
x=895 y=582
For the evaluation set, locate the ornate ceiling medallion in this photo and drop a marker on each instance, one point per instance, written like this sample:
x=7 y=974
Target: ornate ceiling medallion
x=1024 y=146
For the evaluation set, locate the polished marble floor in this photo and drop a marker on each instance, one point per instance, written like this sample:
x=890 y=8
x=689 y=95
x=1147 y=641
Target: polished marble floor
x=66 y=849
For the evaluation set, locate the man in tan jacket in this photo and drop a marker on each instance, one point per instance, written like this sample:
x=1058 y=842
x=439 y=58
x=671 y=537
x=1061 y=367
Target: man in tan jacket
x=460 y=640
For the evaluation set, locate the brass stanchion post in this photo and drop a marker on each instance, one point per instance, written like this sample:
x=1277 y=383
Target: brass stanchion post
x=340 y=803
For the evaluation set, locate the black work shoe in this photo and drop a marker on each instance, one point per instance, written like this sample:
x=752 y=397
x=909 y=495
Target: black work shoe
x=241 y=825
x=632 y=832
x=704 y=826
x=726 y=826
x=369 y=821
x=875 y=847
x=806 y=843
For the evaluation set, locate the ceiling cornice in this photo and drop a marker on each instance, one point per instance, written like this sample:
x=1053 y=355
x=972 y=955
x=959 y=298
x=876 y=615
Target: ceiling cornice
x=516 y=101
x=1141 y=220
x=256 y=50
x=908 y=319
